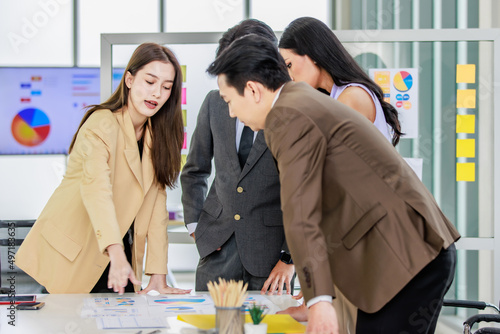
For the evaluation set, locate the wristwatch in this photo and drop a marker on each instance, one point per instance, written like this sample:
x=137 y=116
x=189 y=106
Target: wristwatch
x=286 y=258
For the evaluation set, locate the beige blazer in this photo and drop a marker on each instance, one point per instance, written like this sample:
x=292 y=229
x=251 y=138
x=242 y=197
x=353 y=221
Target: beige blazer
x=355 y=213
x=106 y=187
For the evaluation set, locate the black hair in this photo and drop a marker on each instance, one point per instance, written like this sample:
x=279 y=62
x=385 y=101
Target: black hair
x=251 y=58
x=245 y=27
x=311 y=37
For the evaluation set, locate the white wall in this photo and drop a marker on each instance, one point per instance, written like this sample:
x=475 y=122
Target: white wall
x=27 y=182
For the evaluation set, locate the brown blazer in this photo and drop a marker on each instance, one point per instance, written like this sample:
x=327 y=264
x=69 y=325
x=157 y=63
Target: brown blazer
x=106 y=187
x=354 y=212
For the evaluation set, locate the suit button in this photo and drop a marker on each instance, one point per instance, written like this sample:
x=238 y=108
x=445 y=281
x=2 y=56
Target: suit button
x=239 y=189
x=237 y=217
x=98 y=234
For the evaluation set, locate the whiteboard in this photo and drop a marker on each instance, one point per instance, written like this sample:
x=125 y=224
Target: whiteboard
x=196 y=58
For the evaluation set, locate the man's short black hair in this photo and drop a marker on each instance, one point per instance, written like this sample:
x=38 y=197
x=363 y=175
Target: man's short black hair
x=245 y=27
x=251 y=58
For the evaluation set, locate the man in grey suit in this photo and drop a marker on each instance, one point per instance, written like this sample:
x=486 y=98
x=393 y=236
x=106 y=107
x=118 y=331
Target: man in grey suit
x=238 y=227
x=355 y=214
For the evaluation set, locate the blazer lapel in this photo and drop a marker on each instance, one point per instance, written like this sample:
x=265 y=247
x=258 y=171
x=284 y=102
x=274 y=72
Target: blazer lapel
x=131 y=150
x=230 y=134
x=258 y=148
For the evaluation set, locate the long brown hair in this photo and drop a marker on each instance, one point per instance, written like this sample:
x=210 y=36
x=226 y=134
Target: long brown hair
x=167 y=128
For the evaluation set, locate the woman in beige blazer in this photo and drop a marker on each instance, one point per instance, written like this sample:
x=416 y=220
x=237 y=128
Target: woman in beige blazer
x=112 y=198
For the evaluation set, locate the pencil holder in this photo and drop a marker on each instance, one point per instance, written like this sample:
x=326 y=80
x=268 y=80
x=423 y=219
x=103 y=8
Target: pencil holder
x=229 y=320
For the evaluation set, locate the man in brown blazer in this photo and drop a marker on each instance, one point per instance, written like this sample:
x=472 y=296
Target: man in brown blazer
x=355 y=214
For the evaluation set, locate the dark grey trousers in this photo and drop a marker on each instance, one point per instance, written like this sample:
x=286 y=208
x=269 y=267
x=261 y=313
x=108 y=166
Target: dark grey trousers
x=226 y=264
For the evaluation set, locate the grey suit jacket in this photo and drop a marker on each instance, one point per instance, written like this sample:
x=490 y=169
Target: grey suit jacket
x=355 y=213
x=244 y=202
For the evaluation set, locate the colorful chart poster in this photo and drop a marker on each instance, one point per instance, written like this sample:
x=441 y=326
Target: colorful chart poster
x=400 y=88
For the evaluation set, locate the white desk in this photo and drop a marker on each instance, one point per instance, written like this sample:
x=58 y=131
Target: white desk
x=61 y=315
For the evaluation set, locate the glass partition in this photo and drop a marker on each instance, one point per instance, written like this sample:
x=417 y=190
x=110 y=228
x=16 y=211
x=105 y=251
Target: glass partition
x=456 y=117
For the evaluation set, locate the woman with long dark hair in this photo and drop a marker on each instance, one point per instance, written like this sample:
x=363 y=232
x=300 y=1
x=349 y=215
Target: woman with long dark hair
x=314 y=54
x=91 y=236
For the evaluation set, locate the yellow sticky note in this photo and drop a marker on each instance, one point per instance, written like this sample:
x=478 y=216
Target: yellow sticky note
x=466 y=73
x=280 y=323
x=466 y=123
x=183 y=160
x=184 y=117
x=466 y=98
x=383 y=79
x=466 y=148
x=466 y=172
x=201 y=321
x=183 y=70
x=276 y=323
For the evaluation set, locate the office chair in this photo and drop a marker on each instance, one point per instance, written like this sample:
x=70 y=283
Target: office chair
x=11 y=242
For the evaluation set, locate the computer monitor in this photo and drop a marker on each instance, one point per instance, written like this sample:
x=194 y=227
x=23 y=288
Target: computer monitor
x=41 y=108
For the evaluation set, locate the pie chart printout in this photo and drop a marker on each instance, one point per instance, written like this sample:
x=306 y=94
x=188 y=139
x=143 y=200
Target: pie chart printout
x=30 y=127
x=403 y=81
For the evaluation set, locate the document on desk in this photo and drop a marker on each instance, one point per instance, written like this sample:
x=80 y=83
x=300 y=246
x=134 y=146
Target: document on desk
x=261 y=300
x=121 y=313
x=173 y=305
x=114 y=307
x=131 y=322
x=180 y=300
x=98 y=302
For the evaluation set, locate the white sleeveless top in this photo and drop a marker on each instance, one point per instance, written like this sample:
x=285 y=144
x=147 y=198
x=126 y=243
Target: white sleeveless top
x=380 y=121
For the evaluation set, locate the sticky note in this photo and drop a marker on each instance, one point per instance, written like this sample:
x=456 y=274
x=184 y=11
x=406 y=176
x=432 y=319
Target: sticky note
x=276 y=323
x=466 y=73
x=466 y=123
x=466 y=148
x=183 y=95
x=383 y=79
x=466 y=98
x=184 y=146
x=183 y=70
x=183 y=160
x=184 y=117
x=466 y=172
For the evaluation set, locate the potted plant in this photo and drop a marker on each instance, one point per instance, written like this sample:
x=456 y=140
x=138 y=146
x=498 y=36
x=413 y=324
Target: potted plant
x=257 y=314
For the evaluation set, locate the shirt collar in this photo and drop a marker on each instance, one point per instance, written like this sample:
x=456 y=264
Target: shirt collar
x=277 y=95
